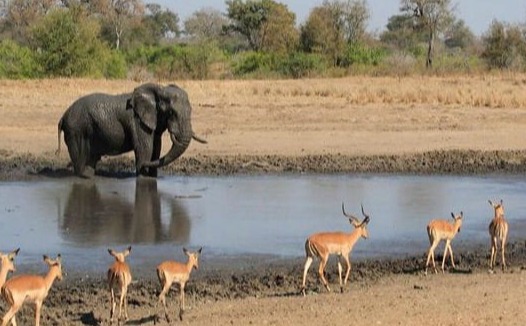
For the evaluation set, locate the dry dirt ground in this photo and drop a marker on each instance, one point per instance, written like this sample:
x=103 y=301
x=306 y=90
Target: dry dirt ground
x=456 y=124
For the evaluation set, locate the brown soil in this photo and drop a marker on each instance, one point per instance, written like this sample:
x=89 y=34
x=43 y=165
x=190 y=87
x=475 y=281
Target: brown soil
x=459 y=125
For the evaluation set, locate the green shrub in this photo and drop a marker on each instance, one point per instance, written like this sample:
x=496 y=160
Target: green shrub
x=17 y=62
x=251 y=62
x=362 y=55
x=300 y=64
x=115 y=66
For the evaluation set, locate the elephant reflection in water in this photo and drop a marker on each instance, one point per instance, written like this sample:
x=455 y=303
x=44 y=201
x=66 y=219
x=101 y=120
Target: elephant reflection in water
x=90 y=217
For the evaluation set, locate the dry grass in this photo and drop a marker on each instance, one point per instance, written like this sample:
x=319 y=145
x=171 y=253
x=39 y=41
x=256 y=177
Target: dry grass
x=301 y=116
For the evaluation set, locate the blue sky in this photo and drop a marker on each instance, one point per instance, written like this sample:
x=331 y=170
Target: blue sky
x=478 y=14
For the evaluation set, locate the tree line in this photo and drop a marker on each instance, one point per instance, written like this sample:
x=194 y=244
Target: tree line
x=252 y=39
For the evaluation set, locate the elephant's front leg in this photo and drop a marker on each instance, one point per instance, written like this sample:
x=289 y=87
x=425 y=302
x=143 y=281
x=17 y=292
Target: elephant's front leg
x=156 y=153
x=144 y=149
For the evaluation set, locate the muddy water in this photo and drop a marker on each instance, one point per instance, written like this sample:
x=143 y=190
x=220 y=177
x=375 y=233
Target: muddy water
x=232 y=216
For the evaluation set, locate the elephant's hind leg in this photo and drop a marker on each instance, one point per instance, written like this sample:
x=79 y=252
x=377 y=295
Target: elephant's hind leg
x=78 y=148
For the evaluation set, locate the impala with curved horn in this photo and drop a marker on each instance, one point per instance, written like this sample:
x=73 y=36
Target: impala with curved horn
x=324 y=244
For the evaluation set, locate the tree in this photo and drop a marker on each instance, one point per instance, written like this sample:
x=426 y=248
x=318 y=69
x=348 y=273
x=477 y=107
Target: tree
x=322 y=34
x=20 y=15
x=504 y=45
x=118 y=16
x=68 y=44
x=351 y=16
x=264 y=23
x=160 y=22
x=433 y=15
x=402 y=33
x=206 y=23
x=458 y=35
x=278 y=33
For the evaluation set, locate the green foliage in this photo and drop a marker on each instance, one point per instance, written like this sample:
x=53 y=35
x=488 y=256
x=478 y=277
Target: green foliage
x=504 y=46
x=66 y=44
x=293 y=65
x=116 y=67
x=17 y=62
x=361 y=54
x=300 y=65
x=250 y=62
x=176 y=61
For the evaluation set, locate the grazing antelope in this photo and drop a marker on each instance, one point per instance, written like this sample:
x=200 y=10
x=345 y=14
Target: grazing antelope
x=8 y=265
x=498 y=231
x=323 y=244
x=438 y=230
x=30 y=288
x=172 y=271
x=119 y=276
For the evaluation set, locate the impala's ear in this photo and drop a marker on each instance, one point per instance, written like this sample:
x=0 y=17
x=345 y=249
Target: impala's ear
x=489 y=201
x=185 y=251
x=452 y=215
x=199 y=251
x=127 y=251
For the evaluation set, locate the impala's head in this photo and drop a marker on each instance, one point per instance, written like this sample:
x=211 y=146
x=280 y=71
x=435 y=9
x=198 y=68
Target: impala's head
x=8 y=260
x=120 y=256
x=55 y=264
x=356 y=222
x=193 y=257
x=498 y=208
x=457 y=219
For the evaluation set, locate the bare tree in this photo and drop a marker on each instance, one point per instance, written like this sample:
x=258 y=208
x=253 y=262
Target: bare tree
x=118 y=15
x=206 y=23
x=434 y=16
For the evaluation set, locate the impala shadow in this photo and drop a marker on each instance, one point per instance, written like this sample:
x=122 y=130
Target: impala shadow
x=91 y=217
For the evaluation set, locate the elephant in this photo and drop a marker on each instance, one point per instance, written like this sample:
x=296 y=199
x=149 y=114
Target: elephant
x=101 y=124
x=93 y=216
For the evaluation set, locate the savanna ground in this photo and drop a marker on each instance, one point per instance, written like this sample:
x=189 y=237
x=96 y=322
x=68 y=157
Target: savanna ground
x=455 y=124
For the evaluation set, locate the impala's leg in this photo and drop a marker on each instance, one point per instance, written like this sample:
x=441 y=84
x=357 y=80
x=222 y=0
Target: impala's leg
x=125 y=303
x=493 y=252
x=162 y=298
x=503 y=248
x=10 y=316
x=446 y=249
x=121 y=302
x=38 y=306
x=451 y=255
x=181 y=311
x=308 y=262
x=348 y=271
x=321 y=270
x=340 y=272
x=112 y=309
x=431 y=256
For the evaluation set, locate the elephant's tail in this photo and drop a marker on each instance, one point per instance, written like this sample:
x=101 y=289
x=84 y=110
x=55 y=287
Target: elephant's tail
x=59 y=132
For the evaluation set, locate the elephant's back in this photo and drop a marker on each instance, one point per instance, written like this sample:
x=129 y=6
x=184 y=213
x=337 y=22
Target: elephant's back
x=93 y=106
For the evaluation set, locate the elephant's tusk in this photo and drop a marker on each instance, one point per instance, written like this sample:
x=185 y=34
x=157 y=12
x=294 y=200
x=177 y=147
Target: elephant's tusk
x=199 y=139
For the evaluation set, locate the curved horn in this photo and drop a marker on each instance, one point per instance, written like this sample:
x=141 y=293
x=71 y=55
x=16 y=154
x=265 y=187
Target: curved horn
x=367 y=218
x=352 y=218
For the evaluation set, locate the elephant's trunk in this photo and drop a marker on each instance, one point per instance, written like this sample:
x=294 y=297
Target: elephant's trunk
x=177 y=149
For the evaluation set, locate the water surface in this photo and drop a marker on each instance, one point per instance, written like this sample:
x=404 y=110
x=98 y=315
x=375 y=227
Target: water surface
x=230 y=216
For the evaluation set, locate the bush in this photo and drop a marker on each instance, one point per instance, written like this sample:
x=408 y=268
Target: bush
x=66 y=44
x=17 y=62
x=176 y=61
x=362 y=55
x=115 y=66
x=250 y=62
x=300 y=64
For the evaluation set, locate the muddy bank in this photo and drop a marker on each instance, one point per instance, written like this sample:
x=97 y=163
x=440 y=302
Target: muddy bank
x=15 y=166
x=84 y=300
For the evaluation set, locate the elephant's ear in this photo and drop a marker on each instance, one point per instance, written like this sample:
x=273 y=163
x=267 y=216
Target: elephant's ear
x=144 y=104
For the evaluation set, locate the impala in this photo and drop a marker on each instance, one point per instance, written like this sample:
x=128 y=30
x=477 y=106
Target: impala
x=498 y=231
x=322 y=245
x=172 y=271
x=8 y=265
x=438 y=230
x=30 y=288
x=119 y=276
